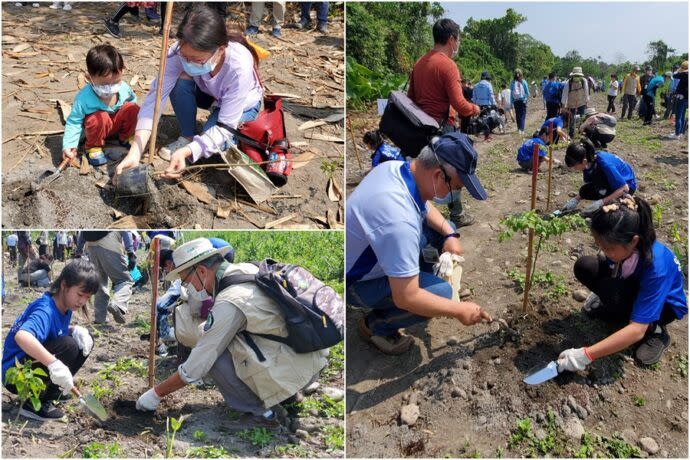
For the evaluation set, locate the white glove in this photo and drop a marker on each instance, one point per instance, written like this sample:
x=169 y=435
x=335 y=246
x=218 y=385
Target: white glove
x=571 y=204
x=444 y=267
x=592 y=208
x=573 y=359
x=61 y=376
x=148 y=401
x=592 y=303
x=83 y=339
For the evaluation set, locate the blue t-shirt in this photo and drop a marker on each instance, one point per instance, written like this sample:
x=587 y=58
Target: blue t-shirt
x=43 y=320
x=661 y=282
x=524 y=153
x=384 y=153
x=653 y=84
x=617 y=171
x=553 y=91
x=221 y=243
x=556 y=122
x=384 y=216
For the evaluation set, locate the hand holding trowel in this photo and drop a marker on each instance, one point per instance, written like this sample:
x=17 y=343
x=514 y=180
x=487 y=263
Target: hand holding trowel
x=572 y=359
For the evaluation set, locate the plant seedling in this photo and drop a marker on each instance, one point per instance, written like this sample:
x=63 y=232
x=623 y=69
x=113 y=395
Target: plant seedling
x=200 y=435
x=260 y=437
x=27 y=381
x=175 y=424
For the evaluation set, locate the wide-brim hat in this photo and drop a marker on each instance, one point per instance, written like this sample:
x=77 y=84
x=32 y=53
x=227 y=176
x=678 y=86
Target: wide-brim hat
x=684 y=66
x=589 y=111
x=577 y=72
x=191 y=253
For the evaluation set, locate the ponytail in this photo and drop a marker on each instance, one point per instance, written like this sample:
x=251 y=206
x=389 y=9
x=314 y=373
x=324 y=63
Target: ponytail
x=579 y=151
x=373 y=138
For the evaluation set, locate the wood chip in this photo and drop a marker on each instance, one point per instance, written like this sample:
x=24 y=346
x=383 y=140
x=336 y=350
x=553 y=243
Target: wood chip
x=224 y=210
x=280 y=221
x=20 y=48
x=103 y=182
x=332 y=220
x=85 y=167
x=198 y=191
x=64 y=109
x=310 y=124
x=301 y=160
x=334 y=192
x=319 y=220
x=326 y=137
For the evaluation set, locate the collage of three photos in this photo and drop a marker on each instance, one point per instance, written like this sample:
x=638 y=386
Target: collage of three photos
x=344 y=229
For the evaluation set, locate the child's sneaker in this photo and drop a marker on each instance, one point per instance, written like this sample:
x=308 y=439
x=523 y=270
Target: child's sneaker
x=276 y=32
x=67 y=7
x=96 y=156
x=113 y=28
x=653 y=346
x=48 y=412
x=55 y=6
x=152 y=15
x=167 y=151
x=251 y=30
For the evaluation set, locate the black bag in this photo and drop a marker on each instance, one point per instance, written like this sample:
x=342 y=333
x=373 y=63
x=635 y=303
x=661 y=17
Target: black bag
x=406 y=125
x=314 y=313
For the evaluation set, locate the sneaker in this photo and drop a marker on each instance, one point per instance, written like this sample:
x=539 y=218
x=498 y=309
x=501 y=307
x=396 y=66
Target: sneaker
x=152 y=15
x=251 y=30
x=304 y=24
x=35 y=5
x=653 y=345
x=47 y=413
x=162 y=350
x=55 y=6
x=394 y=345
x=276 y=32
x=67 y=7
x=113 y=28
x=673 y=136
x=117 y=313
x=463 y=220
x=96 y=156
x=279 y=415
x=166 y=152
x=323 y=27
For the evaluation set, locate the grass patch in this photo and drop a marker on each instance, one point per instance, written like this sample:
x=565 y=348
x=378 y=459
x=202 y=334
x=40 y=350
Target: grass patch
x=208 y=452
x=259 y=437
x=324 y=405
x=336 y=361
x=102 y=450
x=292 y=451
x=641 y=136
x=334 y=437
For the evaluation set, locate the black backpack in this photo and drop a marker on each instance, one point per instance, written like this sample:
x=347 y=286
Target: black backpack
x=314 y=313
x=406 y=125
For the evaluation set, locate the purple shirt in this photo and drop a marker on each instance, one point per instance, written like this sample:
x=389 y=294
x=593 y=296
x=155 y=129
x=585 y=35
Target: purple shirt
x=236 y=88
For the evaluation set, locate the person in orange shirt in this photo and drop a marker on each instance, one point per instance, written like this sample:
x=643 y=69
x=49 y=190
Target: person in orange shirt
x=435 y=88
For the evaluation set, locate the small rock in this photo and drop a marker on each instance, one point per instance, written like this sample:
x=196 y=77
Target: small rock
x=568 y=241
x=655 y=199
x=465 y=293
x=452 y=341
x=482 y=420
x=302 y=434
x=414 y=397
x=310 y=389
x=465 y=365
x=313 y=412
x=565 y=410
x=669 y=404
x=580 y=295
x=629 y=436
x=649 y=445
x=573 y=428
x=572 y=194
x=489 y=260
x=335 y=394
x=181 y=446
x=458 y=393
x=663 y=454
x=497 y=361
x=409 y=414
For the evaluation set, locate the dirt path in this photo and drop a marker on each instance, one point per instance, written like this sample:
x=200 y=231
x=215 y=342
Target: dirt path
x=43 y=57
x=467 y=382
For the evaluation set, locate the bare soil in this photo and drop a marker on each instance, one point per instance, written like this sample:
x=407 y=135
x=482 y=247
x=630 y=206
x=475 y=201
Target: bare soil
x=467 y=382
x=43 y=58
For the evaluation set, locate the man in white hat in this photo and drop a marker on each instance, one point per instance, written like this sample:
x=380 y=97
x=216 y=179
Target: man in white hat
x=575 y=96
x=224 y=347
x=600 y=128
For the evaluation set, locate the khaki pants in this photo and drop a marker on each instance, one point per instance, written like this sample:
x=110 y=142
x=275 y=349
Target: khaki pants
x=112 y=266
x=258 y=12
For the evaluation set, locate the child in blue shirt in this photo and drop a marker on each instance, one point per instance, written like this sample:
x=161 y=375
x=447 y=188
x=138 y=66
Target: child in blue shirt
x=607 y=177
x=525 y=152
x=637 y=283
x=43 y=333
x=104 y=108
x=382 y=152
x=557 y=123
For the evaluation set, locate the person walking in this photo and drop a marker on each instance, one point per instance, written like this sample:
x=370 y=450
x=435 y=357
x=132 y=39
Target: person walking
x=519 y=95
x=575 y=96
x=612 y=93
x=630 y=90
x=681 y=99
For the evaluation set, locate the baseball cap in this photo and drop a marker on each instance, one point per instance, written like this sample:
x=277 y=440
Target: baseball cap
x=457 y=150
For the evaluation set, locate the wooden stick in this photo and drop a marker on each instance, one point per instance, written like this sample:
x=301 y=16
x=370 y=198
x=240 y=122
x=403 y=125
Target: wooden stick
x=548 y=187
x=154 y=298
x=161 y=75
x=528 y=274
x=354 y=142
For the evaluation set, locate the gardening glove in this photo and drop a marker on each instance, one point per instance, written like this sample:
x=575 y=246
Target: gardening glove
x=573 y=359
x=61 y=376
x=148 y=401
x=592 y=208
x=444 y=267
x=592 y=303
x=83 y=339
x=131 y=260
x=571 y=204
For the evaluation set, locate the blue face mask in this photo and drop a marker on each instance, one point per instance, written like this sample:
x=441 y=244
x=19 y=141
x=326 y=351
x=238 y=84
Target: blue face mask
x=194 y=70
x=442 y=200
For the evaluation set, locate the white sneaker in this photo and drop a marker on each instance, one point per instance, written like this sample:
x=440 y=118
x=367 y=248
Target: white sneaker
x=167 y=151
x=35 y=5
x=673 y=136
x=67 y=7
x=55 y=6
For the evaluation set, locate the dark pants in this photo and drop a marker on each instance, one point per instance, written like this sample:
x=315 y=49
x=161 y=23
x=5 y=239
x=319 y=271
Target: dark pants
x=571 y=123
x=42 y=249
x=13 y=254
x=629 y=102
x=65 y=349
x=599 y=140
x=668 y=100
x=611 y=107
x=321 y=11
x=60 y=252
x=520 y=114
x=617 y=295
x=648 y=109
x=552 y=109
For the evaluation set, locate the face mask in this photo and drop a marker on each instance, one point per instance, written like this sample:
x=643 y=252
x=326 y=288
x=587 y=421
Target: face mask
x=199 y=301
x=442 y=200
x=628 y=266
x=195 y=70
x=106 y=90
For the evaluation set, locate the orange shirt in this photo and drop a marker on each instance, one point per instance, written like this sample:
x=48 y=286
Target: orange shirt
x=435 y=86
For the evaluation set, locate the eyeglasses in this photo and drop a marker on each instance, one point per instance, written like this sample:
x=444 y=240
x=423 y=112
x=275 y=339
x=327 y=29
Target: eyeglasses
x=178 y=51
x=446 y=177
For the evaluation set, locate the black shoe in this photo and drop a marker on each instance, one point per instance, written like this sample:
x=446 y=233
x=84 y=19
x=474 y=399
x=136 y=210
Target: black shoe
x=113 y=28
x=462 y=220
x=48 y=412
x=118 y=314
x=653 y=346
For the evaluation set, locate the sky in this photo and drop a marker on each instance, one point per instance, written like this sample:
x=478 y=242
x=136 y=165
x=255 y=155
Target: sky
x=604 y=29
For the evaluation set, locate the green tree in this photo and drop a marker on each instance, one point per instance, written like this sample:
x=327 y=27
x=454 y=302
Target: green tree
x=658 y=52
x=535 y=58
x=499 y=34
x=475 y=56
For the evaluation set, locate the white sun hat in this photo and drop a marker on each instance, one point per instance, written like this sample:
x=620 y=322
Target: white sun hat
x=191 y=253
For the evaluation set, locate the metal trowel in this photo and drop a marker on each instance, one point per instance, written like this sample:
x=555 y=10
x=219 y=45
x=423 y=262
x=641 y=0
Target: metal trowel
x=49 y=176
x=92 y=405
x=541 y=374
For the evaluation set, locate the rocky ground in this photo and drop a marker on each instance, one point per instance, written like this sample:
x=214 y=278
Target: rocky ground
x=459 y=391
x=43 y=61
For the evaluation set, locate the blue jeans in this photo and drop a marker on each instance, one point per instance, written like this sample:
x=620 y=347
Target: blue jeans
x=681 y=107
x=321 y=11
x=385 y=318
x=520 y=114
x=186 y=97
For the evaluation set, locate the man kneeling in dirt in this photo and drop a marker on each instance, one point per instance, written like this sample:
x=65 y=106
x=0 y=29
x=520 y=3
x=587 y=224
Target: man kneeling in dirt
x=389 y=222
x=254 y=374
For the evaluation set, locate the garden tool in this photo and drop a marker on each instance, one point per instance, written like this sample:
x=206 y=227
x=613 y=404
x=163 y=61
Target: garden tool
x=541 y=374
x=560 y=213
x=49 y=176
x=91 y=404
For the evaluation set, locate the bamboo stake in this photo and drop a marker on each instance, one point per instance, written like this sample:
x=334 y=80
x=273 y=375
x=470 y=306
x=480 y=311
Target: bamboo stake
x=354 y=142
x=528 y=274
x=159 y=85
x=548 y=187
x=155 y=251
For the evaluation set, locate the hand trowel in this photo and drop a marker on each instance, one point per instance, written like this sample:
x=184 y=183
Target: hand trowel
x=541 y=374
x=91 y=404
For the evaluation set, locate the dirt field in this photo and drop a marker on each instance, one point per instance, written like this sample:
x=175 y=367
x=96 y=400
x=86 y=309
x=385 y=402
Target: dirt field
x=43 y=58
x=117 y=368
x=467 y=382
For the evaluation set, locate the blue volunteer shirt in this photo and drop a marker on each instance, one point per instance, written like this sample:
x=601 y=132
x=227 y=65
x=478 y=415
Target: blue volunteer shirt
x=661 y=283
x=43 y=320
x=524 y=153
x=384 y=153
x=384 y=216
x=552 y=92
x=617 y=171
x=653 y=84
x=556 y=122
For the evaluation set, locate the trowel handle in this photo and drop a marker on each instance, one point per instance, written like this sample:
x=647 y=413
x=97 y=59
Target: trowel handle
x=76 y=392
x=63 y=165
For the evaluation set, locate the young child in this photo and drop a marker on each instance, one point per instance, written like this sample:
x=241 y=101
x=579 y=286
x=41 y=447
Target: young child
x=557 y=123
x=525 y=152
x=382 y=152
x=606 y=176
x=105 y=107
x=637 y=283
x=36 y=272
x=43 y=333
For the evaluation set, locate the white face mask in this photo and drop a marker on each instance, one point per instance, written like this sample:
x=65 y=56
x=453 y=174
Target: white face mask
x=199 y=301
x=106 y=90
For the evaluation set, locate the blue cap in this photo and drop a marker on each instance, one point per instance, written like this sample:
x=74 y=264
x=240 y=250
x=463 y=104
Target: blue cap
x=457 y=150
x=485 y=75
